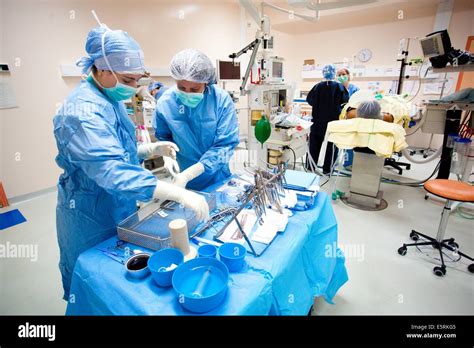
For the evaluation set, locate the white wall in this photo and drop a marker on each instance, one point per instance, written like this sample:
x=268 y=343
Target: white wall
x=47 y=33
x=383 y=39
x=2 y=59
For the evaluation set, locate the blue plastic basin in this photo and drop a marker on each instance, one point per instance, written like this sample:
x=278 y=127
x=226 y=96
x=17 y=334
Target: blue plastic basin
x=201 y=284
x=233 y=256
x=162 y=259
x=207 y=250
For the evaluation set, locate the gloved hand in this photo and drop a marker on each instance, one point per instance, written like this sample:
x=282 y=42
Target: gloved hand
x=189 y=174
x=191 y=200
x=160 y=148
x=144 y=94
x=171 y=165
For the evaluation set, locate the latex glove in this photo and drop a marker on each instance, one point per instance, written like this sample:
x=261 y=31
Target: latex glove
x=165 y=191
x=144 y=94
x=189 y=174
x=160 y=148
x=171 y=165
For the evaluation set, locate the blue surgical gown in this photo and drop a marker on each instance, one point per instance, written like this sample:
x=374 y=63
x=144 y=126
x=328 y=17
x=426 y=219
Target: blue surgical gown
x=208 y=133
x=160 y=92
x=352 y=89
x=102 y=178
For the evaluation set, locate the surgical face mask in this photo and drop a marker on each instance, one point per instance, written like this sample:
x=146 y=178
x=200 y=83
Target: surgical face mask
x=117 y=93
x=120 y=91
x=189 y=99
x=343 y=78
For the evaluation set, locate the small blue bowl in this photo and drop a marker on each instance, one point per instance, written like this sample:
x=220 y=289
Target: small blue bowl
x=233 y=256
x=137 y=265
x=162 y=259
x=201 y=284
x=207 y=250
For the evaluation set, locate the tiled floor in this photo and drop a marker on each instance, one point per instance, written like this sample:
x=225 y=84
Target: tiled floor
x=383 y=282
x=26 y=286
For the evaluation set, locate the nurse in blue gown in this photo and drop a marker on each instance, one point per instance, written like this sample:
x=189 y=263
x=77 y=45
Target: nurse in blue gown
x=97 y=149
x=200 y=118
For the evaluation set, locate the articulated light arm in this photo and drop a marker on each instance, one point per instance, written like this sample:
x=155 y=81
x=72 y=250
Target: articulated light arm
x=254 y=47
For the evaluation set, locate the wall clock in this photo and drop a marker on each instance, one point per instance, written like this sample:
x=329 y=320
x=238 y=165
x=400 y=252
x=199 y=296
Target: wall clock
x=364 y=55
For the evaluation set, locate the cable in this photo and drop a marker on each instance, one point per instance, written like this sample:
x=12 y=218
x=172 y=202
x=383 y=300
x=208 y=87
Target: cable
x=419 y=79
x=464 y=214
x=464 y=132
x=303 y=164
x=421 y=182
x=249 y=172
x=324 y=183
x=437 y=259
x=416 y=127
x=409 y=157
x=396 y=182
x=334 y=162
x=313 y=166
x=294 y=155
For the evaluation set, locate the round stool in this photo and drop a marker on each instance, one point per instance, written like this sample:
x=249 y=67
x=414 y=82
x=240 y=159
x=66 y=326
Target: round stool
x=450 y=190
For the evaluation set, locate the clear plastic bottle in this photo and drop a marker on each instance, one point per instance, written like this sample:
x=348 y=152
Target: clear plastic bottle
x=460 y=155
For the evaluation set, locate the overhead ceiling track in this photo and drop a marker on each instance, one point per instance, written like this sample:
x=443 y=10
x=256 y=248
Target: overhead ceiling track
x=315 y=6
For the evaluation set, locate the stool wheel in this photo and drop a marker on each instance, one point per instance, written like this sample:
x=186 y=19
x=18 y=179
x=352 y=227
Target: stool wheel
x=414 y=236
x=402 y=250
x=453 y=245
x=471 y=268
x=439 y=271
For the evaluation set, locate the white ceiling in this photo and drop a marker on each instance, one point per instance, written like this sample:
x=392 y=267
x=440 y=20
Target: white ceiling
x=380 y=11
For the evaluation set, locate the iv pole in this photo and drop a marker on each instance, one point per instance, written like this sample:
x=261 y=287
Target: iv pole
x=403 y=64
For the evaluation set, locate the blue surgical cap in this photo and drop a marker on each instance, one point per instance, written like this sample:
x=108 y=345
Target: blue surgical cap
x=192 y=65
x=329 y=72
x=154 y=85
x=123 y=53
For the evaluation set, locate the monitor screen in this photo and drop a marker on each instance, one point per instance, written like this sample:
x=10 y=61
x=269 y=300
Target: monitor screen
x=229 y=70
x=277 y=69
x=432 y=46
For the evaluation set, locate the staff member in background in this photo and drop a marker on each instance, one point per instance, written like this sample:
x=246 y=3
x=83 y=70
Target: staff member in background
x=151 y=93
x=344 y=76
x=326 y=98
x=97 y=148
x=157 y=89
x=200 y=118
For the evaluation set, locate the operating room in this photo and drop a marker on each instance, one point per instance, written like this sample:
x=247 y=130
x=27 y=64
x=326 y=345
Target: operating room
x=236 y=157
